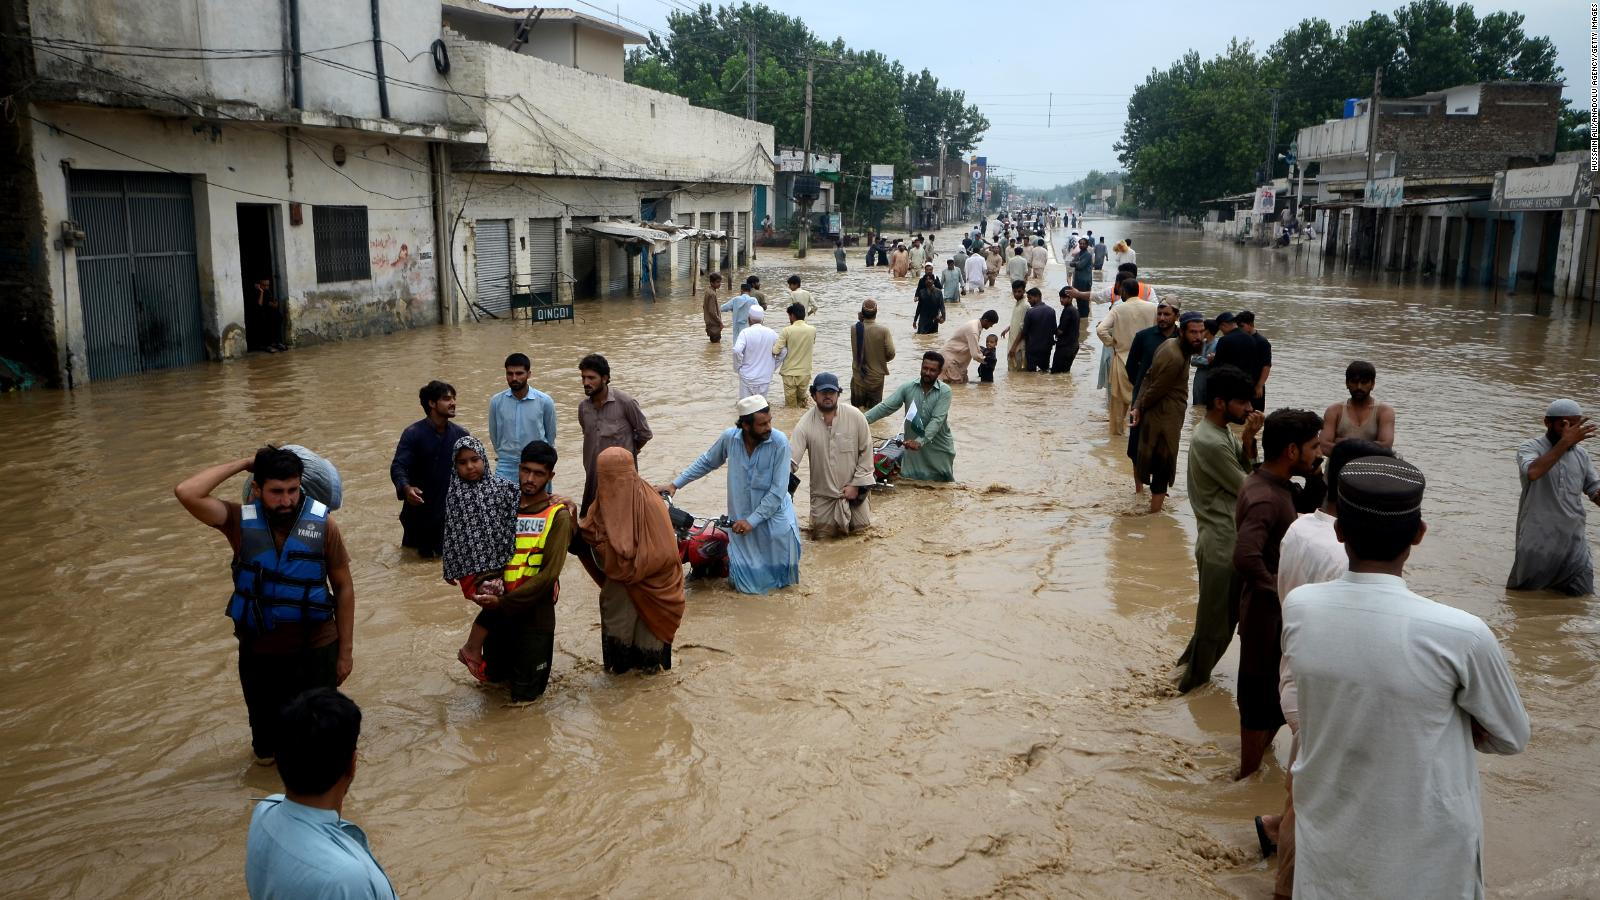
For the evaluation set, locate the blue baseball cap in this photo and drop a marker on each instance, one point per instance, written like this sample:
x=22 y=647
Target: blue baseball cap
x=825 y=381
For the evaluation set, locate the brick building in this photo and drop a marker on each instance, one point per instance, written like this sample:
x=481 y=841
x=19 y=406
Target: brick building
x=1433 y=169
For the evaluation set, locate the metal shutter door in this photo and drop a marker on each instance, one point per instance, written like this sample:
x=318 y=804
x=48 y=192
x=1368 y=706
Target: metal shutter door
x=727 y=245
x=617 y=276
x=139 y=290
x=493 y=268
x=739 y=222
x=685 y=251
x=583 y=260
x=544 y=261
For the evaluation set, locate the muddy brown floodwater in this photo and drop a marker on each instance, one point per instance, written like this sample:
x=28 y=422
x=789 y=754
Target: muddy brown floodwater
x=970 y=700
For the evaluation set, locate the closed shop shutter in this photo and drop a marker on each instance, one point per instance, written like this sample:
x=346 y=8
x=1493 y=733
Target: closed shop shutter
x=727 y=245
x=740 y=220
x=138 y=285
x=617 y=277
x=584 y=264
x=543 y=258
x=493 y=268
x=685 y=251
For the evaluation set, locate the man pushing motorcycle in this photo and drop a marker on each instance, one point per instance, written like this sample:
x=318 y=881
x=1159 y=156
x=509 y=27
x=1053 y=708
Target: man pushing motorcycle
x=764 y=547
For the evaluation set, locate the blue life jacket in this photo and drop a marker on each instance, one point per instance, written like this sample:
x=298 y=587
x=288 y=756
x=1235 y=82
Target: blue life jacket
x=272 y=587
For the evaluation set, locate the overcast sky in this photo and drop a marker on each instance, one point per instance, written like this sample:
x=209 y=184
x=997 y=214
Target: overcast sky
x=1091 y=58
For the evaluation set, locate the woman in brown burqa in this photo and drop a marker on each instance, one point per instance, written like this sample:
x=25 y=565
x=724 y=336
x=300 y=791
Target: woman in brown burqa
x=636 y=564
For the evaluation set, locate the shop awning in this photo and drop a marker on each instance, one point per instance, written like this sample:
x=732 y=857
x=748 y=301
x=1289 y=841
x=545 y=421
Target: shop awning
x=657 y=235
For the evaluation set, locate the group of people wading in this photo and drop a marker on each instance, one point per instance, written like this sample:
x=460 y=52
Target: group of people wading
x=1387 y=693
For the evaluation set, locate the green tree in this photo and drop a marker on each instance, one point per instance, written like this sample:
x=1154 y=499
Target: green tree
x=1199 y=128
x=865 y=106
x=1196 y=131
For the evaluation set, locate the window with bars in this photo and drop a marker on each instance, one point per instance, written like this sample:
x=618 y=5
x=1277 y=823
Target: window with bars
x=341 y=243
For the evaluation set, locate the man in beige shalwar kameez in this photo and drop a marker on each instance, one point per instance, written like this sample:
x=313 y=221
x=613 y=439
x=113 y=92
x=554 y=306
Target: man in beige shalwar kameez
x=964 y=346
x=1116 y=332
x=1013 y=332
x=840 y=443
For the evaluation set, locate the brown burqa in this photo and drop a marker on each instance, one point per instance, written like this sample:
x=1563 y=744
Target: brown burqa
x=632 y=536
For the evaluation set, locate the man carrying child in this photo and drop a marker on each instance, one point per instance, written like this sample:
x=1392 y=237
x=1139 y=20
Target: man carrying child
x=513 y=638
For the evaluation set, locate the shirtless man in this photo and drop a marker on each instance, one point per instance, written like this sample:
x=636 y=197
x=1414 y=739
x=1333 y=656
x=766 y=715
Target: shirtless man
x=1360 y=416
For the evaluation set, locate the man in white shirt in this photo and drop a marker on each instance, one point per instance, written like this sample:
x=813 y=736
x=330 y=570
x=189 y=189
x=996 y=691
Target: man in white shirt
x=975 y=268
x=1310 y=553
x=1395 y=692
x=752 y=355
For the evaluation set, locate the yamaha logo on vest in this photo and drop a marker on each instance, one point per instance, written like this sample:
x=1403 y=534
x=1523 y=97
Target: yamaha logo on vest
x=309 y=532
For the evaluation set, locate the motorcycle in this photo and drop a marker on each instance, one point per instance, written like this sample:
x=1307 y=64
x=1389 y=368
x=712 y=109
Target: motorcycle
x=702 y=543
x=886 y=456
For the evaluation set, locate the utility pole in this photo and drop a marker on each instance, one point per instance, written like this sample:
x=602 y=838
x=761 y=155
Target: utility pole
x=1272 y=140
x=943 y=211
x=1372 y=154
x=805 y=155
x=1272 y=137
x=750 y=76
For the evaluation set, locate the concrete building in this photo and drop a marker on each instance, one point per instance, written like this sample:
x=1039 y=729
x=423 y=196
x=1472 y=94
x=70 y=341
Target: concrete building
x=938 y=202
x=1434 y=159
x=570 y=144
x=153 y=188
x=779 y=201
x=1555 y=226
x=371 y=166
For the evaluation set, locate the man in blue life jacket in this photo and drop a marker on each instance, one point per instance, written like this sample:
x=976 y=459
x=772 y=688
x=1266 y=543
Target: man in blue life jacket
x=293 y=604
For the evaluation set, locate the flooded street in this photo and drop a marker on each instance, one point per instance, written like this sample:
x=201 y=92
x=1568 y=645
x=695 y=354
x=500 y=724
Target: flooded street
x=970 y=700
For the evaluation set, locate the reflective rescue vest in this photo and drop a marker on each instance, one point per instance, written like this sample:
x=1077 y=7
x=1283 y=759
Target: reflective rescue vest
x=1144 y=291
x=528 y=558
x=272 y=586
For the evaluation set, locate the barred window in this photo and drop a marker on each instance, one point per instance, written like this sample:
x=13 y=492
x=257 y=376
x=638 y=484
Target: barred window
x=341 y=243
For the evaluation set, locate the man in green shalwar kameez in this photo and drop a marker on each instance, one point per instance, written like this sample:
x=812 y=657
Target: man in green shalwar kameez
x=1218 y=463
x=930 y=448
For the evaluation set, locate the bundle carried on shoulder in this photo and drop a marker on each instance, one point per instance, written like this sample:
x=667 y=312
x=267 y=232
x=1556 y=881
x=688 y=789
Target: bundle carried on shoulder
x=319 y=482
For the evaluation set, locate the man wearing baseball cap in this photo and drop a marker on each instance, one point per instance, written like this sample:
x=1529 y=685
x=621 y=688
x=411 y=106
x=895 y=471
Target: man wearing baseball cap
x=840 y=443
x=1557 y=474
x=764 y=545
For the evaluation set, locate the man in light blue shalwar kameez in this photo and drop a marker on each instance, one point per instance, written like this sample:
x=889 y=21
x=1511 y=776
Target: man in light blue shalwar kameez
x=740 y=307
x=764 y=541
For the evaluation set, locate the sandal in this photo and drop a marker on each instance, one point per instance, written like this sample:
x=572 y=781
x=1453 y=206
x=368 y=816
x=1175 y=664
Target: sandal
x=1267 y=846
x=479 y=670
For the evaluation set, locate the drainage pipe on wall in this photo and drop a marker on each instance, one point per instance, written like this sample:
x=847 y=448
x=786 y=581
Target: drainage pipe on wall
x=377 y=62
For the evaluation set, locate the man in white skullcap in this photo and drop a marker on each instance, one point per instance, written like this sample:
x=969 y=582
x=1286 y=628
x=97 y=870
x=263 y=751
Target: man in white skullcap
x=764 y=547
x=752 y=355
x=1395 y=693
x=1557 y=474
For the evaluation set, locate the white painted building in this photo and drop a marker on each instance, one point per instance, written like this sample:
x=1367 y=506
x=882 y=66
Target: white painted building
x=256 y=141
x=167 y=158
x=571 y=143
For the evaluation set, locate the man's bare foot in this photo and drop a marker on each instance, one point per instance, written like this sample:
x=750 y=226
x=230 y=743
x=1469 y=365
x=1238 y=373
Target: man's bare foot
x=1157 y=501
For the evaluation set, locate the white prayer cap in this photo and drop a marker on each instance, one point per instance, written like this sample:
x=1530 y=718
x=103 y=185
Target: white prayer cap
x=1561 y=409
x=752 y=404
x=756 y=313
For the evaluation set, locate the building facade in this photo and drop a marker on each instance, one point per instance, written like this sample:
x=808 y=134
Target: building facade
x=192 y=181
x=158 y=188
x=571 y=145
x=1433 y=162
